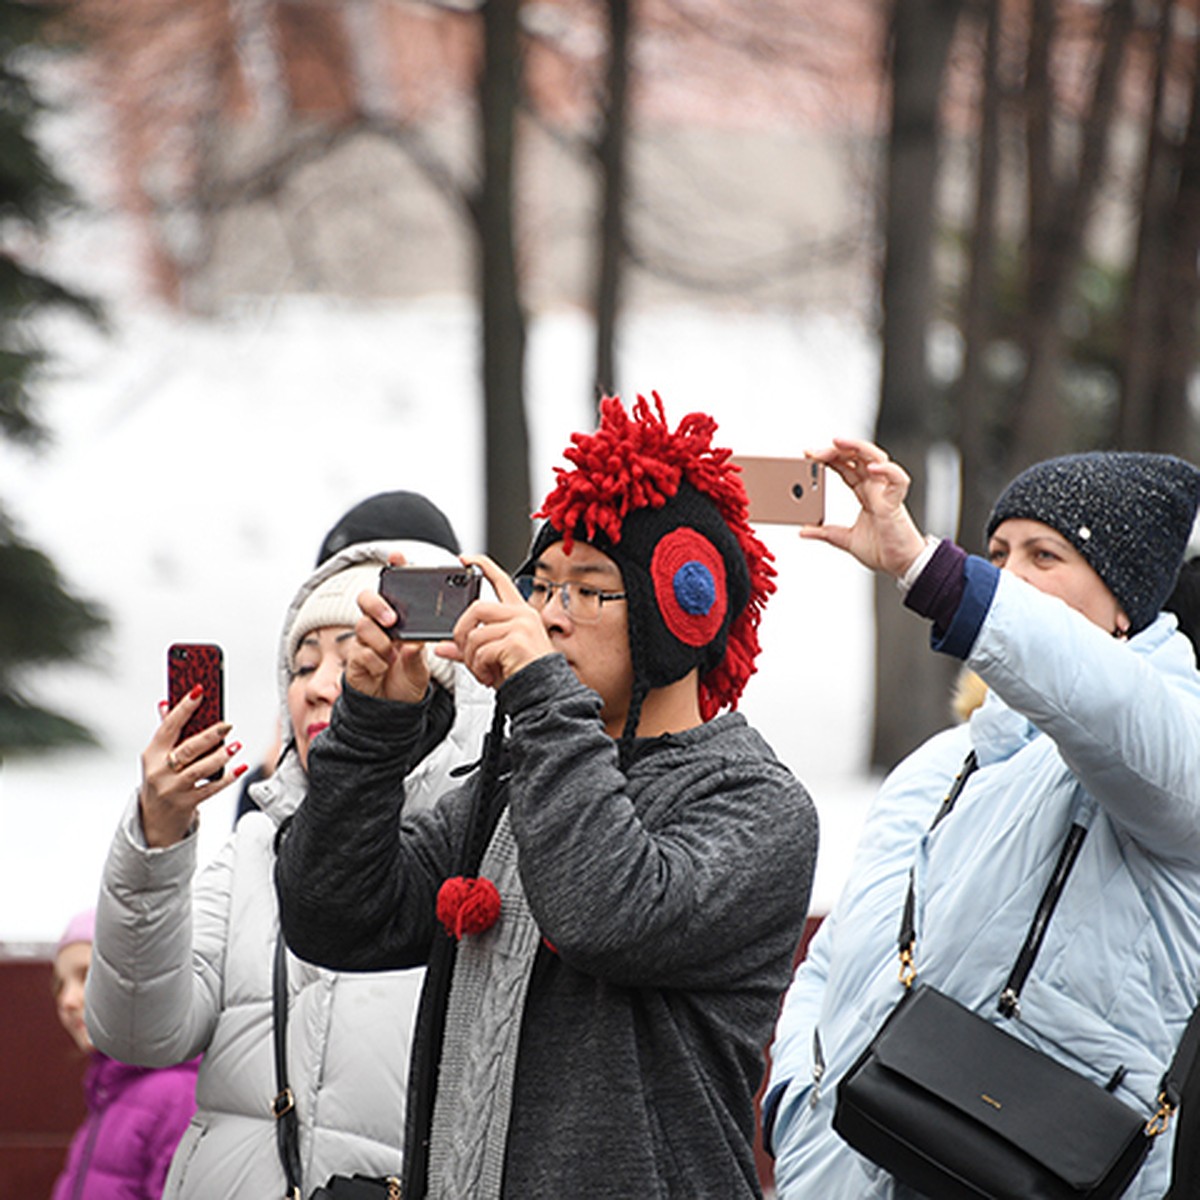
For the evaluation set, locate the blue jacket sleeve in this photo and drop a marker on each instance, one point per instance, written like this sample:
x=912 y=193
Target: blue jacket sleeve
x=980 y=579
x=955 y=591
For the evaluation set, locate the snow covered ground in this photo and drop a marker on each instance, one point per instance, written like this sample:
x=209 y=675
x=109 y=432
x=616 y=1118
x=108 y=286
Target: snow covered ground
x=197 y=465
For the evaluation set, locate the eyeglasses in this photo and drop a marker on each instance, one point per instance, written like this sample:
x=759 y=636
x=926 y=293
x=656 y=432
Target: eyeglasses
x=580 y=602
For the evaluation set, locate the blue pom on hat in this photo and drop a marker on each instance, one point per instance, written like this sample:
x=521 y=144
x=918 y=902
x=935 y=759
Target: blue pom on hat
x=694 y=588
x=1129 y=514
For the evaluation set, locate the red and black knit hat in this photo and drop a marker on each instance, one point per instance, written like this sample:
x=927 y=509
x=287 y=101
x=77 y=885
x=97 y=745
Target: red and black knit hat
x=671 y=511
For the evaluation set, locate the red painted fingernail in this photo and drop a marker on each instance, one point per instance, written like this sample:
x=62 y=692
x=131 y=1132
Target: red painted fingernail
x=240 y=770
x=233 y=748
x=196 y=692
x=163 y=708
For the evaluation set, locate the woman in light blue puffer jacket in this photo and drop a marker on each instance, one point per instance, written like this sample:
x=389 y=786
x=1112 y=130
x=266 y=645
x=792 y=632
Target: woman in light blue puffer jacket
x=1092 y=716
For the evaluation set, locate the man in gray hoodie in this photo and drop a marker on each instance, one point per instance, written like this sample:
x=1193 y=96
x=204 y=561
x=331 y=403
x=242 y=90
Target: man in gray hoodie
x=610 y=907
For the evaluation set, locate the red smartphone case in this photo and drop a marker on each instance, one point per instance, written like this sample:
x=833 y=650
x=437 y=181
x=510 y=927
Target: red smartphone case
x=192 y=663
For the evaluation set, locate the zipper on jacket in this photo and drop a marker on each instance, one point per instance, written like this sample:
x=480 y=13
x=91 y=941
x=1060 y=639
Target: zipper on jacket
x=818 y=1070
x=85 y=1160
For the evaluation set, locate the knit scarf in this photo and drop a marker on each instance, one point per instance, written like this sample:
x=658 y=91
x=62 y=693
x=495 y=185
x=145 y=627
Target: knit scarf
x=482 y=1035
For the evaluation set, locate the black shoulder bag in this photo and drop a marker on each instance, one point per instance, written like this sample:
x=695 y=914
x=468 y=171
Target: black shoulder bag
x=283 y=1107
x=956 y=1108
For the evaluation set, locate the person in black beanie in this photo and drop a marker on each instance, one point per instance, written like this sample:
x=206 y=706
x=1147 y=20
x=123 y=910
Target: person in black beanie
x=383 y=517
x=1088 y=739
x=609 y=909
x=387 y=516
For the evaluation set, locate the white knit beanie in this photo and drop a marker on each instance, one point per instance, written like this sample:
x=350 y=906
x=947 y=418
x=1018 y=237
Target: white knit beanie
x=333 y=602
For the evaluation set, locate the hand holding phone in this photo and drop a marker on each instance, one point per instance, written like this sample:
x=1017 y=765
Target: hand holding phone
x=784 y=491
x=428 y=600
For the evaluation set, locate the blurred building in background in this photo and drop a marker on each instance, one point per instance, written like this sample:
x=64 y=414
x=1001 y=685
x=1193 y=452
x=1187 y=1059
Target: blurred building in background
x=284 y=146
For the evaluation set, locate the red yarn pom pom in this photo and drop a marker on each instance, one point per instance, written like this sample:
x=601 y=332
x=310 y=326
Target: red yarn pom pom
x=467 y=905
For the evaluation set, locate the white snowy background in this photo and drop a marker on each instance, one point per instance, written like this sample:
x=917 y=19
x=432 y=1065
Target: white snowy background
x=196 y=464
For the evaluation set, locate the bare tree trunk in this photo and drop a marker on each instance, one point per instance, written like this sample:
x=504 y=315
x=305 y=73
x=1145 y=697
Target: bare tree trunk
x=911 y=685
x=506 y=441
x=977 y=318
x=611 y=152
x=365 y=29
x=1042 y=342
x=256 y=41
x=1056 y=241
x=1143 y=307
x=1171 y=428
x=1041 y=164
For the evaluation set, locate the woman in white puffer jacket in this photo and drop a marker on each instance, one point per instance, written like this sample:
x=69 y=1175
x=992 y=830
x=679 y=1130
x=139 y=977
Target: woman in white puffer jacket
x=180 y=970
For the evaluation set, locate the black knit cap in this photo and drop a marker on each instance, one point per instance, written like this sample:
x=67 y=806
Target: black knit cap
x=685 y=578
x=1129 y=514
x=671 y=511
x=390 y=516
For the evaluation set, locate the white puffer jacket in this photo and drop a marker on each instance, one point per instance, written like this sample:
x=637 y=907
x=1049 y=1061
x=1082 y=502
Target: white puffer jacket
x=179 y=970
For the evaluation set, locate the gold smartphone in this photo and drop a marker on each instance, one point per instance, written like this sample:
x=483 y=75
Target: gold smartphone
x=784 y=491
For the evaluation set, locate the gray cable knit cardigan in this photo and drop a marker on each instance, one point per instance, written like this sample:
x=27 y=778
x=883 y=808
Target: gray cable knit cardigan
x=673 y=896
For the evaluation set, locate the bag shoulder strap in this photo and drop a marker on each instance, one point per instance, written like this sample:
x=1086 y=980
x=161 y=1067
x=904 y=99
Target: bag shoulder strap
x=283 y=1107
x=1180 y=1089
x=1184 y=1062
x=907 y=939
x=1010 y=998
x=1009 y=1001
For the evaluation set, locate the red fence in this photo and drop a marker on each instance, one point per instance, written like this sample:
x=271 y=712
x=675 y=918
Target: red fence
x=41 y=1079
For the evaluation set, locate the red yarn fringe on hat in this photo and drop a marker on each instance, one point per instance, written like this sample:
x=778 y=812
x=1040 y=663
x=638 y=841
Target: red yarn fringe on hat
x=635 y=461
x=467 y=906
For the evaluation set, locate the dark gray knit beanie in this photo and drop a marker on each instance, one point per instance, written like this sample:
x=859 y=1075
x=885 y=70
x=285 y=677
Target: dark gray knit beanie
x=1129 y=514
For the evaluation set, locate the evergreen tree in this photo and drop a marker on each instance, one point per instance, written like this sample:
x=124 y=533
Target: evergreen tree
x=41 y=621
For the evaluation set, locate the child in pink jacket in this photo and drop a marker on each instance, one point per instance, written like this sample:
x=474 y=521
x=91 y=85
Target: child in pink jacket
x=136 y=1115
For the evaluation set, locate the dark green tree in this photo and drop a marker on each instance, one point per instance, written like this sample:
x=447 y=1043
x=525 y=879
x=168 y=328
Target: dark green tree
x=41 y=621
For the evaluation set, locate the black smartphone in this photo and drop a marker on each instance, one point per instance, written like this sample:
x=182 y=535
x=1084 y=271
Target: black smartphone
x=428 y=600
x=189 y=664
x=784 y=491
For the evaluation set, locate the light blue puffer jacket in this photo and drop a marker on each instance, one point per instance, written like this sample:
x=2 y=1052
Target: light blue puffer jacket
x=1077 y=727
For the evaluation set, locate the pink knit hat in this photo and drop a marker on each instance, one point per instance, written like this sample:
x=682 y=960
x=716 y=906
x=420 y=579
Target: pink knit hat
x=80 y=928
